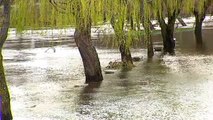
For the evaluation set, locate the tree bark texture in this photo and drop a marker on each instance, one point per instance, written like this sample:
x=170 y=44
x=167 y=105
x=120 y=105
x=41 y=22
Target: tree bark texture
x=82 y=35
x=167 y=32
x=198 y=29
x=4 y=92
x=4 y=21
x=89 y=56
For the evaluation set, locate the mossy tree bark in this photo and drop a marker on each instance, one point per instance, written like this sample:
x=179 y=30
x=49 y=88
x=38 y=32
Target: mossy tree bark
x=4 y=26
x=82 y=35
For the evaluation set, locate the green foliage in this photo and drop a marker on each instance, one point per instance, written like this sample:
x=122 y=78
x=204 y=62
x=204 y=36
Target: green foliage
x=43 y=14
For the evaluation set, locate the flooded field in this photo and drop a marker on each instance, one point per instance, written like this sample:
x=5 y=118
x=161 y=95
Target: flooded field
x=50 y=86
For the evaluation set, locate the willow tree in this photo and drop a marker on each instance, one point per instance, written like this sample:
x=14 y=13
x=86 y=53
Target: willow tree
x=171 y=10
x=118 y=19
x=146 y=21
x=48 y=14
x=4 y=26
x=200 y=9
x=83 y=40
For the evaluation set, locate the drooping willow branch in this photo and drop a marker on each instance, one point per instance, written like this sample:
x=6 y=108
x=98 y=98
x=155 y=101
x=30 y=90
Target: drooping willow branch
x=58 y=5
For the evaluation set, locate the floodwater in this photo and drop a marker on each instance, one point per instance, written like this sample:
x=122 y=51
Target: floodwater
x=50 y=86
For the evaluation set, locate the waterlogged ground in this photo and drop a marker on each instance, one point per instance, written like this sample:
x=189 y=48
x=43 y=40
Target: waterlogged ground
x=50 y=86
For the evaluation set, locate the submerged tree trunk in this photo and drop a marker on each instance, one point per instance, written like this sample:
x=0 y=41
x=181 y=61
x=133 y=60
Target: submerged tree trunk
x=89 y=56
x=199 y=17
x=4 y=93
x=150 y=51
x=126 y=57
x=198 y=29
x=82 y=35
x=146 y=21
x=167 y=32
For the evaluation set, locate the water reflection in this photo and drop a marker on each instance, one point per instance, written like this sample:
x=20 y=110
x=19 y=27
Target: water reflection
x=187 y=43
x=87 y=96
x=88 y=93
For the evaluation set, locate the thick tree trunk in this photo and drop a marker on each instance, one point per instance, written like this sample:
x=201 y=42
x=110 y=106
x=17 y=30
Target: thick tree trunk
x=89 y=56
x=82 y=35
x=199 y=17
x=198 y=32
x=4 y=93
x=167 y=32
x=168 y=40
x=4 y=21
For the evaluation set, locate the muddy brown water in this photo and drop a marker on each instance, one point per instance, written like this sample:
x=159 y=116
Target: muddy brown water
x=50 y=86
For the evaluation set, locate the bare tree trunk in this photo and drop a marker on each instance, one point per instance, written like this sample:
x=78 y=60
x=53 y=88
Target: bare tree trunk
x=82 y=35
x=4 y=93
